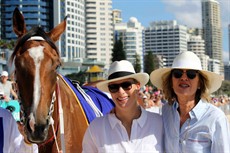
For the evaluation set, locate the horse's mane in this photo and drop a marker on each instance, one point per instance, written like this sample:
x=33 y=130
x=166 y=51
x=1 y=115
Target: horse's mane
x=35 y=31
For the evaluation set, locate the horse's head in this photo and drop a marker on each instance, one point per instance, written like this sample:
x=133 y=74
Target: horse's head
x=36 y=59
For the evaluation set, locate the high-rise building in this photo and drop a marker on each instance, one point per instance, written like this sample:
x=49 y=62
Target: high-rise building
x=196 y=44
x=117 y=16
x=166 y=38
x=72 y=43
x=227 y=72
x=99 y=31
x=131 y=34
x=211 y=23
x=229 y=43
x=35 y=12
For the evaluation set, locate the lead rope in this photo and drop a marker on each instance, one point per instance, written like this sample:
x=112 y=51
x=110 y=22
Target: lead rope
x=61 y=118
x=55 y=138
x=52 y=120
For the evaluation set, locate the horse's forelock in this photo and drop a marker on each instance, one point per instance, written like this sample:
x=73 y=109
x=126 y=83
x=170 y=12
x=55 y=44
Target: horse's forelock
x=36 y=31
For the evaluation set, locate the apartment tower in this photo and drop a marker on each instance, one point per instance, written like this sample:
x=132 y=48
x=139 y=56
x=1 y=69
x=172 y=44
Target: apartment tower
x=99 y=31
x=72 y=42
x=212 y=34
x=229 y=43
x=131 y=34
x=166 y=38
x=117 y=16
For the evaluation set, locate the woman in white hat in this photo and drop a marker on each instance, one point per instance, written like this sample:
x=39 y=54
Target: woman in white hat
x=191 y=124
x=128 y=127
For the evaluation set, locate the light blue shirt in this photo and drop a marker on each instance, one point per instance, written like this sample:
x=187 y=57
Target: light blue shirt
x=206 y=131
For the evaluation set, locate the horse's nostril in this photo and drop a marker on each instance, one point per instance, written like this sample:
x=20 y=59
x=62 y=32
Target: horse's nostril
x=28 y=126
x=40 y=128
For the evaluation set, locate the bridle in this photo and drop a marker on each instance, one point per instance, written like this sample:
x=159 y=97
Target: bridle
x=38 y=34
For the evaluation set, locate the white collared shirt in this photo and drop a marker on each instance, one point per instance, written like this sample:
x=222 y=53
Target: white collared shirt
x=11 y=140
x=207 y=130
x=107 y=135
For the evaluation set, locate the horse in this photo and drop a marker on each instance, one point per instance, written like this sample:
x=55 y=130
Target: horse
x=53 y=116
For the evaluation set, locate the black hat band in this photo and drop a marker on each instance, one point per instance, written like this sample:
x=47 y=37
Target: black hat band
x=119 y=74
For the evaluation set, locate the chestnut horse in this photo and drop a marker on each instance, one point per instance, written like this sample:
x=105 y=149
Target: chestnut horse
x=44 y=94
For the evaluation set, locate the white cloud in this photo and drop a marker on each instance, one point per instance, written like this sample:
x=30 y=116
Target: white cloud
x=188 y=12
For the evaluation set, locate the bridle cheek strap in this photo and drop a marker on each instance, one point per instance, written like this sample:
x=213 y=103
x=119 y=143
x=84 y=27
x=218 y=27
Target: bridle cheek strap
x=61 y=117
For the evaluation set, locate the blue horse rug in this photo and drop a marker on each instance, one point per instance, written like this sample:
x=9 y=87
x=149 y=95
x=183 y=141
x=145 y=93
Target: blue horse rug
x=101 y=105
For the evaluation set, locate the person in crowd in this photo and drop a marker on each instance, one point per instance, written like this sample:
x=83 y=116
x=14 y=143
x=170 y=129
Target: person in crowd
x=191 y=123
x=144 y=100
x=128 y=127
x=11 y=140
x=6 y=88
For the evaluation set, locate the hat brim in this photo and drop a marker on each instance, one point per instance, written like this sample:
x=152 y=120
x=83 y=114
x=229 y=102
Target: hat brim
x=214 y=80
x=143 y=78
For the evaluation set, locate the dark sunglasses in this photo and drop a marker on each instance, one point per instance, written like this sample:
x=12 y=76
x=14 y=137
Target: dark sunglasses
x=125 y=85
x=177 y=73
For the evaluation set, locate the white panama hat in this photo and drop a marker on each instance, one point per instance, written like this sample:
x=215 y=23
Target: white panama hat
x=120 y=70
x=186 y=60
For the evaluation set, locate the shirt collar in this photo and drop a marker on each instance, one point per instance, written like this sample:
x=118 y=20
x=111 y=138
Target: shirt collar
x=197 y=111
x=113 y=120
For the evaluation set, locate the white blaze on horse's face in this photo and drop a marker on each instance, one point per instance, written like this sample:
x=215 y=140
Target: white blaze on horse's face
x=37 y=55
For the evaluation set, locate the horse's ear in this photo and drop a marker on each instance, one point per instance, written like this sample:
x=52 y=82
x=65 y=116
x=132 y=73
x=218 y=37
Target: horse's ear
x=56 y=32
x=19 y=25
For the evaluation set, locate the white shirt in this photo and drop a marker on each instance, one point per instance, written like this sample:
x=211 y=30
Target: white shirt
x=5 y=88
x=107 y=135
x=13 y=141
x=206 y=131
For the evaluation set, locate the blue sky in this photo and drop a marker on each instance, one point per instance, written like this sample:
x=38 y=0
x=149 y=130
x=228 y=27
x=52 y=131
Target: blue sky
x=186 y=12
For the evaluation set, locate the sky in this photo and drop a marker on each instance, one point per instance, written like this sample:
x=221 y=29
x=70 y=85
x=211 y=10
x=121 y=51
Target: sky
x=185 y=12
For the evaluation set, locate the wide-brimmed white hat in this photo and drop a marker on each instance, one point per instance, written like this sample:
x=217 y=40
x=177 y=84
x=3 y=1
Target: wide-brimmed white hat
x=186 y=60
x=120 y=70
x=4 y=73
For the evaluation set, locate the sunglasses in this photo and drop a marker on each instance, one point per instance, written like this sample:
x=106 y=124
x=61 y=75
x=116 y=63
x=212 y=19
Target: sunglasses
x=113 y=88
x=177 y=73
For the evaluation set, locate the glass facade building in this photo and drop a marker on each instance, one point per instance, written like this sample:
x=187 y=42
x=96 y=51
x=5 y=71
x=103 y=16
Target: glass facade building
x=35 y=12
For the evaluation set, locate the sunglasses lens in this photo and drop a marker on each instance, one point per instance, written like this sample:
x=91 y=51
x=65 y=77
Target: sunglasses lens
x=126 y=85
x=191 y=74
x=113 y=87
x=177 y=73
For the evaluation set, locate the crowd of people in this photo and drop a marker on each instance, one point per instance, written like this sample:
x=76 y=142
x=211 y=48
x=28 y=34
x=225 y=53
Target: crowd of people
x=178 y=115
x=152 y=99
